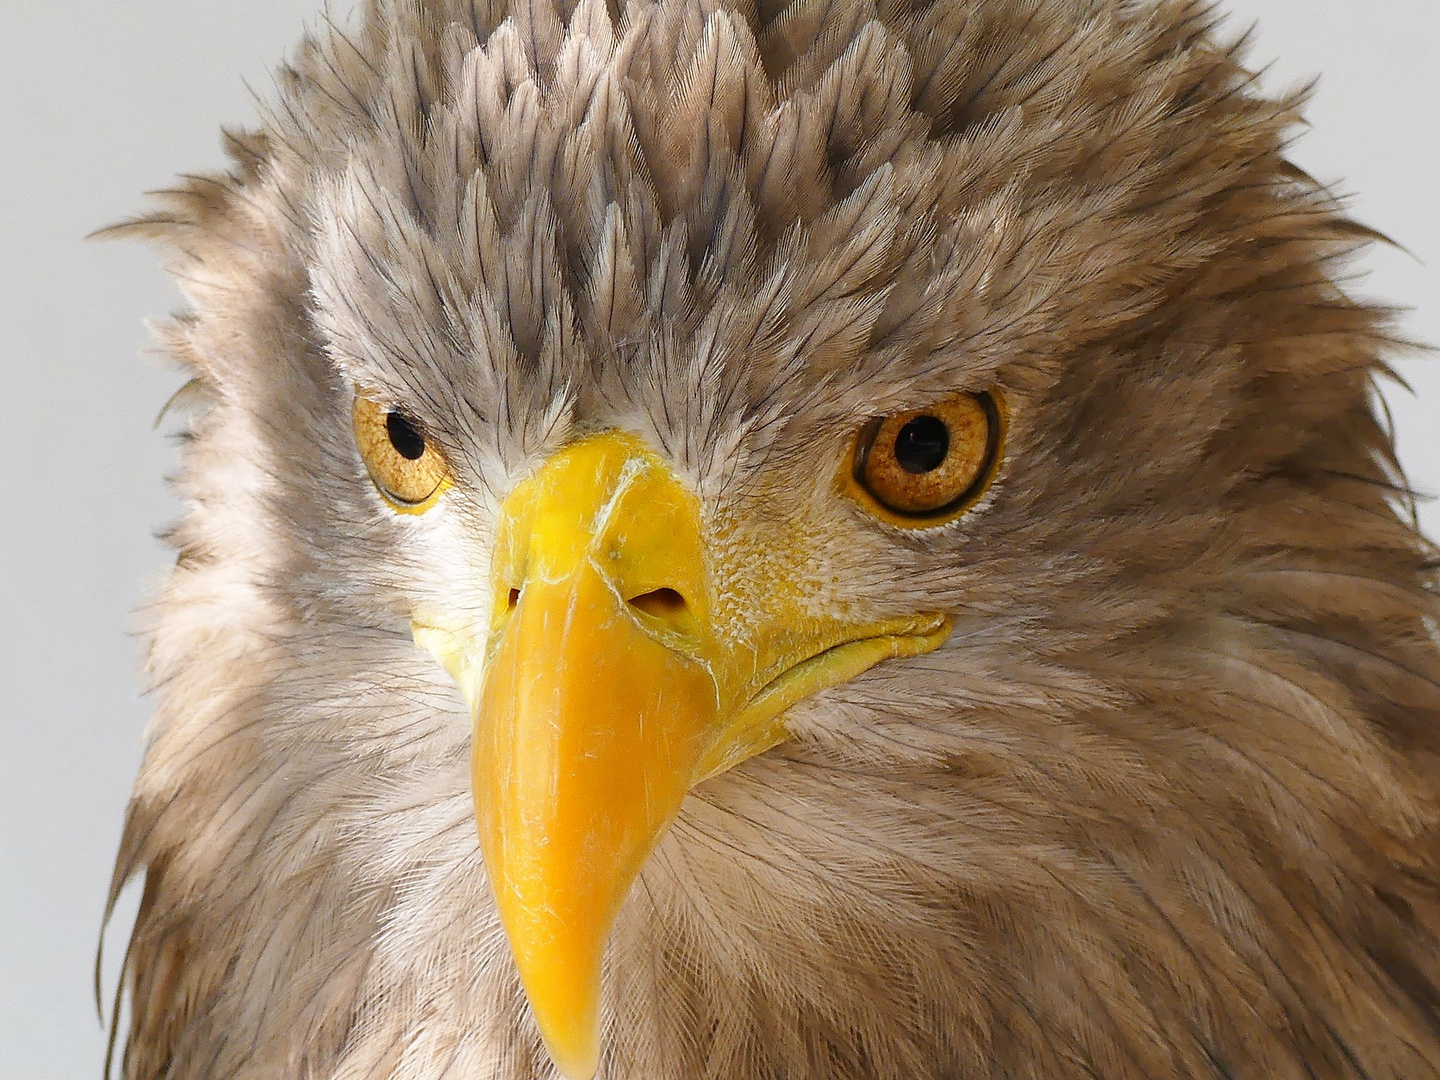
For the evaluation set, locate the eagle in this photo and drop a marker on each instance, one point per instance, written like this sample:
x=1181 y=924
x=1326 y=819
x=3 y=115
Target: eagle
x=778 y=539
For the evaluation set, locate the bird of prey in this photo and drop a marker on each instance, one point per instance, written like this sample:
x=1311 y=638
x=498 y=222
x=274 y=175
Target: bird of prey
x=757 y=539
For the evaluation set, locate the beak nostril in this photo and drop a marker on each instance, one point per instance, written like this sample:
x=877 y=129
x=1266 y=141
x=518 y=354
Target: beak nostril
x=514 y=598
x=661 y=603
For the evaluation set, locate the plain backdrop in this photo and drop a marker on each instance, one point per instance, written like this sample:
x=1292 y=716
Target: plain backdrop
x=101 y=100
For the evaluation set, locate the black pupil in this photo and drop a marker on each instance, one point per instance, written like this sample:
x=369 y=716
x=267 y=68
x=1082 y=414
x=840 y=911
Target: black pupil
x=408 y=442
x=922 y=444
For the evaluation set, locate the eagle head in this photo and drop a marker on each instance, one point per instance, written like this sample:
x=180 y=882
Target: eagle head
x=821 y=539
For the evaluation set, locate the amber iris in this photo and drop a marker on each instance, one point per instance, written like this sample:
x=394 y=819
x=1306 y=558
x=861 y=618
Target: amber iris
x=930 y=464
x=405 y=466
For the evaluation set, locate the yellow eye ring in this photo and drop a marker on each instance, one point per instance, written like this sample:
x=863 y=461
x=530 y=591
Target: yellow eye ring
x=404 y=465
x=924 y=467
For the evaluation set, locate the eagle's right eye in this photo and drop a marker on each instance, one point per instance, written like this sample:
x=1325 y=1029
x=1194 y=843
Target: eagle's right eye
x=405 y=466
x=926 y=466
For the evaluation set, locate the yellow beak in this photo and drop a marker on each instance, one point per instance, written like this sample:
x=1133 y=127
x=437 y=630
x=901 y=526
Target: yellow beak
x=606 y=693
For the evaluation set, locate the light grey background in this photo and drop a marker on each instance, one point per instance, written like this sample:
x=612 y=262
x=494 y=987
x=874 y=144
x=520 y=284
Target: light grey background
x=100 y=100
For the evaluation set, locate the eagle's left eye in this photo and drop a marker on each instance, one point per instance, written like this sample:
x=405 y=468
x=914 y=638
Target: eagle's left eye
x=405 y=466
x=925 y=466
